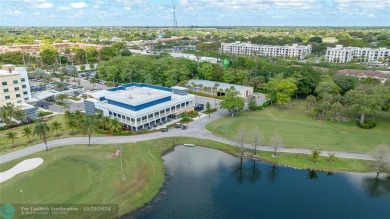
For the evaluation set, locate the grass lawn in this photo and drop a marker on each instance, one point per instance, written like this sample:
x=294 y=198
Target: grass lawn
x=91 y=175
x=21 y=141
x=298 y=129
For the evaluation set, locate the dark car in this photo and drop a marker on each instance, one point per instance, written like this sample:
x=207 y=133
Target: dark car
x=44 y=106
x=199 y=107
x=164 y=129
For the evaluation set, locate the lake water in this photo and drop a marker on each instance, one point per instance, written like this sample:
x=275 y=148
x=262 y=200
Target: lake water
x=206 y=183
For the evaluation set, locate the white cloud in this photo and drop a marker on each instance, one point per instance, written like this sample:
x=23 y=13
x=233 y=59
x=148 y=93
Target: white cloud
x=44 y=5
x=63 y=8
x=13 y=13
x=78 y=5
x=77 y=14
x=127 y=8
x=34 y=1
x=371 y=15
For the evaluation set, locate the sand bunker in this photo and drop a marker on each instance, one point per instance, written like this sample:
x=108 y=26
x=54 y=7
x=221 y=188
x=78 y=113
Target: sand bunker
x=21 y=167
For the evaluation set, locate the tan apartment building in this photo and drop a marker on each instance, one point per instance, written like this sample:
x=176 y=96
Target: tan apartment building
x=14 y=86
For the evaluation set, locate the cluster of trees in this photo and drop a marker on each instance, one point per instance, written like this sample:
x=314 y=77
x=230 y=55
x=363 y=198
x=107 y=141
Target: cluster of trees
x=340 y=93
x=8 y=112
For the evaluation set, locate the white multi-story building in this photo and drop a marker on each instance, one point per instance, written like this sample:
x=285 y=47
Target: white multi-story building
x=341 y=54
x=15 y=87
x=140 y=106
x=248 y=49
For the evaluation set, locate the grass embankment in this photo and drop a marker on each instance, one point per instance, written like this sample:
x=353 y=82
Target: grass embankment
x=81 y=174
x=22 y=141
x=298 y=129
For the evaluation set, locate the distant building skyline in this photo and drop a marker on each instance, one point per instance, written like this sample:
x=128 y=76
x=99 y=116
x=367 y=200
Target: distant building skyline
x=195 y=13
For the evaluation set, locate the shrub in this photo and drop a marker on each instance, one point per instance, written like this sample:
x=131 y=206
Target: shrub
x=266 y=104
x=122 y=132
x=366 y=125
x=102 y=131
x=259 y=107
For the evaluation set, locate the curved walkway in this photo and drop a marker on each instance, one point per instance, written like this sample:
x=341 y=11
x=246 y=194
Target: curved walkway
x=196 y=129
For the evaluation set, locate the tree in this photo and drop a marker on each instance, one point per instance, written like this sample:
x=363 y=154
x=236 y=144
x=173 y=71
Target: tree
x=71 y=124
x=276 y=142
x=381 y=157
x=48 y=54
x=257 y=141
x=207 y=70
x=89 y=125
x=315 y=39
x=82 y=67
x=110 y=84
x=232 y=101
x=9 y=110
x=93 y=81
x=315 y=154
x=327 y=87
x=41 y=129
x=311 y=100
x=331 y=157
x=56 y=126
x=366 y=99
x=208 y=107
x=115 y=125
x=61 y=97
x=336 y=107
x=11 y=136
x=60 y=86
x=27 y=132
x=285 y=89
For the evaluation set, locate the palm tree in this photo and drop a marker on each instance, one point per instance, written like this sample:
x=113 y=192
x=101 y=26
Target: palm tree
x=115 y=125
x=9 y=110
x=93 y=81
x=71 y=124
x=27 y=132
x=60 y=86
x=11 y=136
x=41 y=129
x=215 y=88
x=62 y=97
x=4 y=115
x=193 y=85
x=56 y=126
x=104 y=122
x=89 y=125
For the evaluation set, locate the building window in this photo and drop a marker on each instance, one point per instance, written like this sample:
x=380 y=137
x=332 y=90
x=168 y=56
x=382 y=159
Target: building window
x=132 y=120
x=156 y=114
x=138 y=120
x=178 y=106
x=109 y=113
x=182 y=105
x=119 y=115
x=150 y=116
x=4 y=83
x=7 y=97
x=173 y=108
x=25 y=92
x=162 y=112
x=6 y=90
x=17 y=95
x=16 y=88
x=22 y=79
x=144 y=118
x=15 y=81
x=19 y=101
x=26 y=98
x=24 y=86
x=115 y=114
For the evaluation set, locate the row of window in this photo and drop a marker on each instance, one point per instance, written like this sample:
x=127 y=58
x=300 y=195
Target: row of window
x=14 y=82
x=161 y=112
x=16 y=89
x=9 y=97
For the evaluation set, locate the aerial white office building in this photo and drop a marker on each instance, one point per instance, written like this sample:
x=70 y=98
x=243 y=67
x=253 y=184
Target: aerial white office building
x=248 y=49
x=141 y=106
x=341 y=54
x=15 y=87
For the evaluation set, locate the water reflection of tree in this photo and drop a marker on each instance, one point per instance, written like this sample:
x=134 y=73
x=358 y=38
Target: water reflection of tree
x=312 y=174
x=273 y=173
x=242 y=173
x=377 y=187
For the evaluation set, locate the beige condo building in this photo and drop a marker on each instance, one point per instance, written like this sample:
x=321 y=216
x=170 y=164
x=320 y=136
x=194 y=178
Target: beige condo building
x=14 y=86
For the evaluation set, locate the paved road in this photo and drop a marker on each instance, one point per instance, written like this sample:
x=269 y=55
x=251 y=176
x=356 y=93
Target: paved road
x=196 y=129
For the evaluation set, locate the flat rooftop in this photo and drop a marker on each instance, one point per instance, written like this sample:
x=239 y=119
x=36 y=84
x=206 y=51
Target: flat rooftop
x=5 y=72
x=133 y=95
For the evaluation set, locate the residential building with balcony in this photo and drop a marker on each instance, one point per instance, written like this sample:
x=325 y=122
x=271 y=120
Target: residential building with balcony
x=248 y=49
x=341 y=54
x=141 y=106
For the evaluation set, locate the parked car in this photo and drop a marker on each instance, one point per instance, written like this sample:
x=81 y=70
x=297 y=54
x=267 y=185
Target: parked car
x=164 y=129
x=44 y=106
x=199 y=107
x=178 y=125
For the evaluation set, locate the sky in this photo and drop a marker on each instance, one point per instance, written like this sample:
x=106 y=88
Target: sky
x=195 y=12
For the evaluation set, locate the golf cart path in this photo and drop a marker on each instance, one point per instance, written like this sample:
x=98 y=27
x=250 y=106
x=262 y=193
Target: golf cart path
x=196 y=129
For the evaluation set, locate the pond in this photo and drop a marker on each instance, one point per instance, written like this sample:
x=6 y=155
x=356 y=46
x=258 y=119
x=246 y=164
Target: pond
x=206 y=183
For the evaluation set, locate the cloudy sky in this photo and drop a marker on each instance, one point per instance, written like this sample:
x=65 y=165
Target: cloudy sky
x=195 y=12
